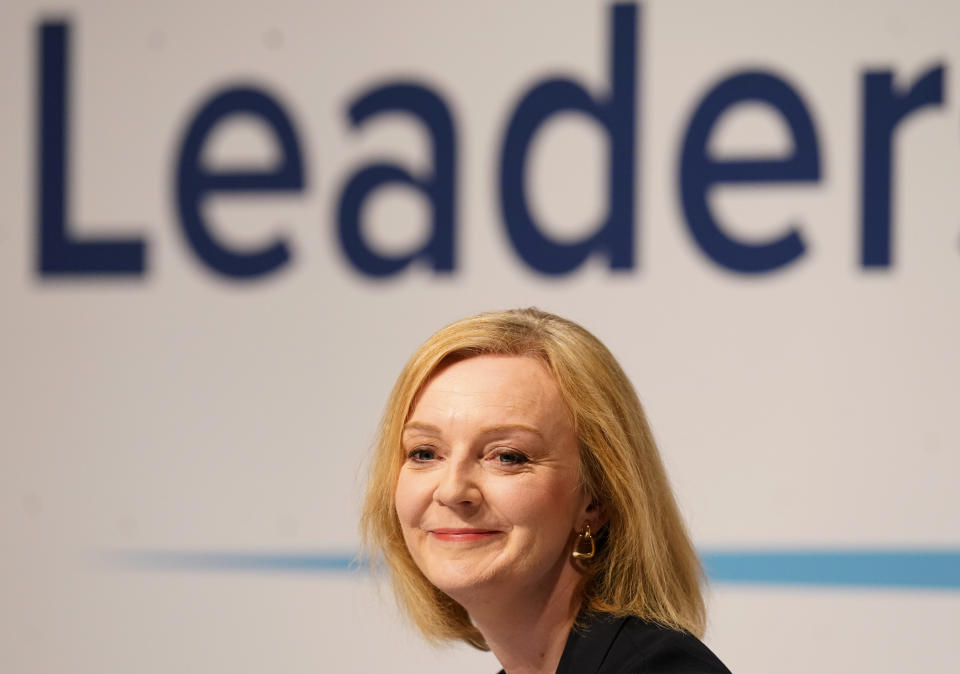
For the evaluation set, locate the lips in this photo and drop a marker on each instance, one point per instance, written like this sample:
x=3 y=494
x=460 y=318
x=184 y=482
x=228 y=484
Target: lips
x=463 y=535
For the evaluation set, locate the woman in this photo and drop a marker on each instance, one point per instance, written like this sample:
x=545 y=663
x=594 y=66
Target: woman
x=518 y=499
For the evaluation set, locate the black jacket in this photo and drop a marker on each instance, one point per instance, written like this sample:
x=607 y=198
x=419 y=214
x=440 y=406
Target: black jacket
x=608 y=645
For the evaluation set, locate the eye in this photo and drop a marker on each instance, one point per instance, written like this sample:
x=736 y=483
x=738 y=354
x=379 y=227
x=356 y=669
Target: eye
x=422 y=454
x=510 y=457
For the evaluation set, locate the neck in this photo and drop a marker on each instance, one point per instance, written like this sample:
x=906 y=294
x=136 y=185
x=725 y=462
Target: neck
x=526 y=629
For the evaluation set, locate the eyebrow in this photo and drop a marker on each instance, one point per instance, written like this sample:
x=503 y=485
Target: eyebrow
x=420 y=426
x=490 y=430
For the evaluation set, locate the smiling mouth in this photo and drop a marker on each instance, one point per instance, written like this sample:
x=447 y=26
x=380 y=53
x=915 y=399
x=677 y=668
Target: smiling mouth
x=463 y=535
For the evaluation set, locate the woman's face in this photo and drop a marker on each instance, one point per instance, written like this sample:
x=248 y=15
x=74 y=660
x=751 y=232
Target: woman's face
x=489 y=494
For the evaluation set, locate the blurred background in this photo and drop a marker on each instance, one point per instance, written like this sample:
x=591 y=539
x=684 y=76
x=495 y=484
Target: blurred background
x=225 y=226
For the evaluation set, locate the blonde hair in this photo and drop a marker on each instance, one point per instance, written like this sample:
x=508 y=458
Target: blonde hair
x=645 y=563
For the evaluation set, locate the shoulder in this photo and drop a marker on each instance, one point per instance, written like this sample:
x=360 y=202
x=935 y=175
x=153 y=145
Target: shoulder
x=644 y=648
x=604 y=644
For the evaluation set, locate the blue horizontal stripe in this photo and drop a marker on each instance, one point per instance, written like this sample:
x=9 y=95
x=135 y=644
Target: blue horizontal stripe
x=199 y=560
x=894 y=568
x=937 y=569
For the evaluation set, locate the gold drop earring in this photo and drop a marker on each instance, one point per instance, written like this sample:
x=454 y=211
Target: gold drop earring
x=584 y=548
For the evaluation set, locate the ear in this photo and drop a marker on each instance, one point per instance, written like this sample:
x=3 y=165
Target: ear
x=595 y=514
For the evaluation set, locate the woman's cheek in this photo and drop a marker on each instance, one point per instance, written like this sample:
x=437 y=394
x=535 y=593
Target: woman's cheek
x=411 y=497
x=402 y=498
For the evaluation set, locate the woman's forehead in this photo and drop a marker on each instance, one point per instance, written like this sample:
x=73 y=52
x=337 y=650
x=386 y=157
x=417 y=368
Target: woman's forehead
x=512 y=388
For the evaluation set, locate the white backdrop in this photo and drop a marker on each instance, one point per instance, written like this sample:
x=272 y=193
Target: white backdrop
x=173 y=413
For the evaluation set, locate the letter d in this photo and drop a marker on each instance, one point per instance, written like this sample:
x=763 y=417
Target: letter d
x=616 y=114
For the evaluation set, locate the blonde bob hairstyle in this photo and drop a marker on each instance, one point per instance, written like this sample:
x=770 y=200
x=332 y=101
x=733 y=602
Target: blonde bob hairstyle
x=645 y=564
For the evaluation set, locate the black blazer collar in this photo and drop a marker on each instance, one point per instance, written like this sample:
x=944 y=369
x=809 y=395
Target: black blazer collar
x=588 y=644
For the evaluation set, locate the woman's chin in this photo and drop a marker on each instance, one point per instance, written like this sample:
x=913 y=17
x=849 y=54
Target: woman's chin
x=461 y=579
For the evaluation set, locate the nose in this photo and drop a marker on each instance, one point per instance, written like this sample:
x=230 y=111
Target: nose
x=458 y=486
